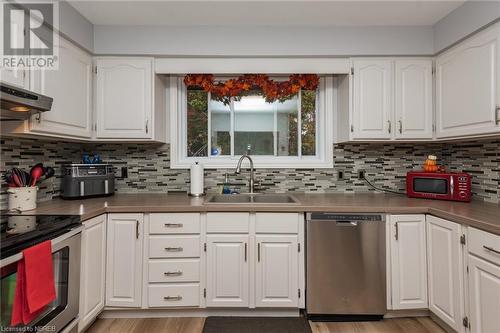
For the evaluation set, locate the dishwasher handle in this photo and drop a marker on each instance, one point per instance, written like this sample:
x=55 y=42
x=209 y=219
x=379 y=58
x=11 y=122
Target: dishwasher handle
x=346 y=223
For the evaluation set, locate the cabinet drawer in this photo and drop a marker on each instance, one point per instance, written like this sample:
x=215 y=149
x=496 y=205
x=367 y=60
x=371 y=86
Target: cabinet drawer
x=174 y=223
x=174 y=270
x=277 y=223
x=171 y=295
x=227 y=222
x=484 y=244
x=174 y=246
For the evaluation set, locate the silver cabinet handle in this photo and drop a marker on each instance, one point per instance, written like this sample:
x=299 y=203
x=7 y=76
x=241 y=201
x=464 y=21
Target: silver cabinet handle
x=173 y=225
x=400 y=127
x=178 y=273
x=245 y=252
x=136 y=229
x=39 y=117
x=147 y=123
x=258 y=252
x=396 y=235
x=174 y=249
x=497 y=115
x=491 y=249
x=173 y=298
x=389 y=128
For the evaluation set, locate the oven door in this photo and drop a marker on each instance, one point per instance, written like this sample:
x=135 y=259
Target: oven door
x=66 y=260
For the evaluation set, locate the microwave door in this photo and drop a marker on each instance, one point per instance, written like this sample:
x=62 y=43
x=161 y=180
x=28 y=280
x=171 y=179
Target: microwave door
x=437 y=186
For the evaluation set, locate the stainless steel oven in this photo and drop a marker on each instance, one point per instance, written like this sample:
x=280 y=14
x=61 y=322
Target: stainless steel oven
x=62 y=314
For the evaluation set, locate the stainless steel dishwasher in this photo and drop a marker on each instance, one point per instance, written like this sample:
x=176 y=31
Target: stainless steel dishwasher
x=346 y=269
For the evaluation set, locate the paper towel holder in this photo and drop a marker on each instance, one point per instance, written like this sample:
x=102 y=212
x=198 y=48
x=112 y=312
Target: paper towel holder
x=196 y=195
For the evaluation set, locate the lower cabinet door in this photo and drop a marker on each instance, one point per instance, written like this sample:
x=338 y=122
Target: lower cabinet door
x=445 y=271
x=277 y=278
x=408 y=262
x=92 y=273
x=227 y=271
x=484 y=294
x=124 y=260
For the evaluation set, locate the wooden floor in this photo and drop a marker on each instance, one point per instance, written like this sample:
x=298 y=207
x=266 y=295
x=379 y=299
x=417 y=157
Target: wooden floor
x=195 y=325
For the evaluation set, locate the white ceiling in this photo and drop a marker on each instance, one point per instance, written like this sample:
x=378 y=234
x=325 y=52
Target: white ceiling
x=264 y=13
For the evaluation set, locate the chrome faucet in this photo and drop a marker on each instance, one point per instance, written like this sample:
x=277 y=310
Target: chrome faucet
x=251 y=183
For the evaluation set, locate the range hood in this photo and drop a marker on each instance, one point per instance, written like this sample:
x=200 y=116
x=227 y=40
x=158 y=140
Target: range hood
x=19 y=104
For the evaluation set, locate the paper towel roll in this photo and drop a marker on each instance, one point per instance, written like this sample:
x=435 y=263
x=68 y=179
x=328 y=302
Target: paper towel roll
x=197 y=179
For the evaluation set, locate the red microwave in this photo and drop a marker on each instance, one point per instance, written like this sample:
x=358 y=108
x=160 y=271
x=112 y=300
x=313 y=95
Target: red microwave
x=442 y=186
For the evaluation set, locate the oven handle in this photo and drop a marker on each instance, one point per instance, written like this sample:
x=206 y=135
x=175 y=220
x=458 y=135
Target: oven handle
x=54 y=242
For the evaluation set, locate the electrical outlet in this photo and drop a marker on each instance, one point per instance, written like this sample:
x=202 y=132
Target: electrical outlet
x=124 y=172
x=340 y=174
x=361 y=174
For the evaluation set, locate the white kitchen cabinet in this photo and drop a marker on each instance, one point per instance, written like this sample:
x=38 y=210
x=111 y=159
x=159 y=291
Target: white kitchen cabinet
x=17 y=77
x=484 y=295
x=413 y=99
x=372 y=99
x=484 y=281
x=408 y=262
x=445 y=271
x=467 y=86
x=92 y=272
x=71 y=88
x=227 y=271
x=276 y=271
x=124 y=260
x=124 y=98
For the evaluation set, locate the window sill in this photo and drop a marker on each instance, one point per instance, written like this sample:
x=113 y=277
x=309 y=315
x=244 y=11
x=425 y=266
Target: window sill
x=259 y=163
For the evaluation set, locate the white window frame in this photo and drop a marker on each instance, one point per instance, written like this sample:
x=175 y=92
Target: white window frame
x=178 y=136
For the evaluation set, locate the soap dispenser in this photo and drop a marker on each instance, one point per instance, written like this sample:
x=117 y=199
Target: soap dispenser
x=225 y=187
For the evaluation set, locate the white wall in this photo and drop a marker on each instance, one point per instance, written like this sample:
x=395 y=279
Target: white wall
x=464 y=20
x=263 y=41
x=76 y=27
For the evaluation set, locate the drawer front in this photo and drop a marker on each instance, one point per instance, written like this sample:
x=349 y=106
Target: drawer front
x=173 y=295
x=484 y=244
x=227 y=222
x=174 y=270
x=174 y=223
x=174 y=246
x=287 y=223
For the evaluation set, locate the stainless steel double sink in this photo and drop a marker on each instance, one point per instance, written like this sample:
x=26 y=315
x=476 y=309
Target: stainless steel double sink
x=252 y=198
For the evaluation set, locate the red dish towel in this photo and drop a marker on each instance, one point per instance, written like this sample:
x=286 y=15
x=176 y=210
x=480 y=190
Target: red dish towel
x=35 y=287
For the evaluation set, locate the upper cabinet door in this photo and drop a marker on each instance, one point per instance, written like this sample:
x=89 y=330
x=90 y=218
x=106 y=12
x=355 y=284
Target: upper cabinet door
x=71 y=88
x=277 y=277
x=413 y=99
x=408 y=262
x=467 y=90
x=124 y=98
x=372 y=94
x=445 y=271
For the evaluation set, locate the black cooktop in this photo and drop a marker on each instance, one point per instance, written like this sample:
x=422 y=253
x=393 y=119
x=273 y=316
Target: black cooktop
x=19 y=232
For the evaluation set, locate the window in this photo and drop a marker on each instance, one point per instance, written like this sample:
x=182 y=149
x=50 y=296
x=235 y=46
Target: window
x=281 y=134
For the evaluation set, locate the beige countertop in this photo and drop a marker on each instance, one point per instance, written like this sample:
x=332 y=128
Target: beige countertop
x=485 y=216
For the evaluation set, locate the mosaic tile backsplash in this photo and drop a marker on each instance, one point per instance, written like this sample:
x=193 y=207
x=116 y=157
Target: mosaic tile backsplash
x=149 y=167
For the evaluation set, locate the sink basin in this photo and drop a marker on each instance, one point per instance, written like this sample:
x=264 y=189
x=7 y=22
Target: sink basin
x=251 y=199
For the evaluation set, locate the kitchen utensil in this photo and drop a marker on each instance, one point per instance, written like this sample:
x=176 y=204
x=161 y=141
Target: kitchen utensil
x=17 y=180
x=37 y=171
x=49 y=172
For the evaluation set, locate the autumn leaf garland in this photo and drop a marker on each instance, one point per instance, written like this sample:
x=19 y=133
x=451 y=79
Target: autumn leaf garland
x=270 y=89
